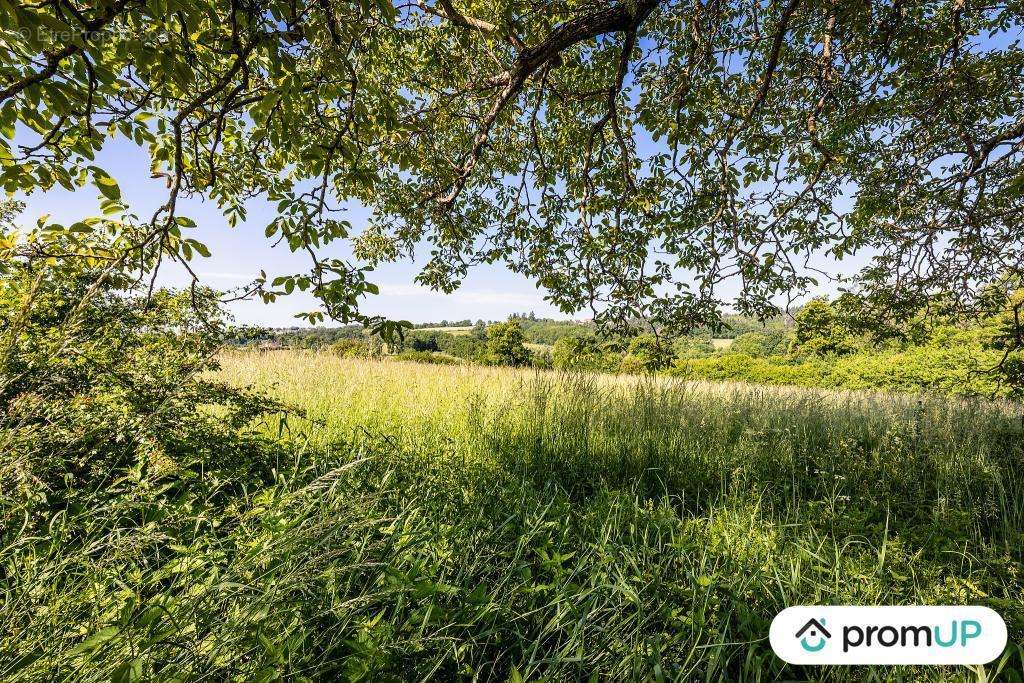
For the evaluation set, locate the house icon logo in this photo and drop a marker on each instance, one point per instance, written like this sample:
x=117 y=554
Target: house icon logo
x=815 y=632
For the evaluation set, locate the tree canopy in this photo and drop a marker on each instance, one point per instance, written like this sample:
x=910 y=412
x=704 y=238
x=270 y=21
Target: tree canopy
x=644 y=159
x=505 y=344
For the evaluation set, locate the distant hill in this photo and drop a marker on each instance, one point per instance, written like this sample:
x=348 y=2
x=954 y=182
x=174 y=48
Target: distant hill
x=542 y=331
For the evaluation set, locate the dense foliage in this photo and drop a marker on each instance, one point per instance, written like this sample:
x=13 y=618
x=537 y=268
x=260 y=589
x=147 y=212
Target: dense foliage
x=640 y=159
x=828 y=348
x=826 y=345
x=119 y=449
x=505 y=345
x=636 y=158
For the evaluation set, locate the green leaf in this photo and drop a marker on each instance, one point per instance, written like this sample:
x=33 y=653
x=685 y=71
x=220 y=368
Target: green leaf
x=128 y=672
x=94 y=641
x=106 y=185
x=201 y=248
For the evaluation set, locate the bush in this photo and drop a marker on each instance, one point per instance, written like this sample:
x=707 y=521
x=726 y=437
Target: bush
x=505 y=345
x=422 y=341
x=821 y=331
x=464 y=346
x=694 y=347
x=584 y=353
x=646 y=353
x=427 y=357
x=350 y=348
x=956 y=369
x=119 y=452
x=110 y=386
x=740 y=367
x=762 y=344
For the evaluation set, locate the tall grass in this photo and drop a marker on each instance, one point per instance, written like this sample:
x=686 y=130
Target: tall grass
x=492 y=524
x=913 y=459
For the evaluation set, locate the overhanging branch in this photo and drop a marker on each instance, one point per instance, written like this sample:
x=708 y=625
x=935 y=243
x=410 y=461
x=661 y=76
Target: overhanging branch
x=616 y=18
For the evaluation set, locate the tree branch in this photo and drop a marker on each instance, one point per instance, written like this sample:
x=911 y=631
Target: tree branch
x=449 y=12
x=621 y=16
x=53 y=59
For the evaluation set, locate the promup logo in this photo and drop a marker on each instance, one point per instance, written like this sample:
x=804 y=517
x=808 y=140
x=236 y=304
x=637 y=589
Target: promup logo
x=815 y=631
x=888 y=635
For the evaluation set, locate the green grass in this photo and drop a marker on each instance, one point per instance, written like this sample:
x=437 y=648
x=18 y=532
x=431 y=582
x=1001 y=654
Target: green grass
x=461 y=522
x=457 y=331
x=704 y=508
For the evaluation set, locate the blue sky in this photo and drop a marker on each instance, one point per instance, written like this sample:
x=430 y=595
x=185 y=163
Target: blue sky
x=490 y=292
x=238 y=254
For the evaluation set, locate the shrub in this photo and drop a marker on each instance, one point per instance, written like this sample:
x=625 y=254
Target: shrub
x=465 y=346
x=505 y=345
x=740 y=367
x=350 y=348
x=584 y=353
x=646 y=353
x=1004 y=332
x=427 y=357
x=820 y=331
x=774 y=342
x=111 y=385
x=694 y=347
x=422 y=341
x=955 y=369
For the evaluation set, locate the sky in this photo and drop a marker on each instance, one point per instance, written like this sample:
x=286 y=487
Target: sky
x=489 y=292
x=238 y=254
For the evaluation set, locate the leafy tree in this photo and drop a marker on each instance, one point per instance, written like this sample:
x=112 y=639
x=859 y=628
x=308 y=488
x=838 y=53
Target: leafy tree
x=246 y=335
x=1004 y=332
x=464 y=346
x=781 y=130
x=550 y=331
x=694 y=347
x=349 y=348
x=422 y=341
x=820 y=331
x=647 y=353
x=505 y=345
x=774 y=342
x=585 y=353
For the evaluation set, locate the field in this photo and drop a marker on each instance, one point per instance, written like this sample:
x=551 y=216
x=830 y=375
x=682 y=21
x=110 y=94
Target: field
x=557 y=526
x=403 y=521
x=457 y=331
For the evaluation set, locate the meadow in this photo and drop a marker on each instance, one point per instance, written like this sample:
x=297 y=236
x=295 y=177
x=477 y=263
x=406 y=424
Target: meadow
x=402 y=521
x=650 y=528
x=457 y=330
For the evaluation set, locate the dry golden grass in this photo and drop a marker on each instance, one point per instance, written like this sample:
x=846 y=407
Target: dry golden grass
x=410 y=388
x=457 y=331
